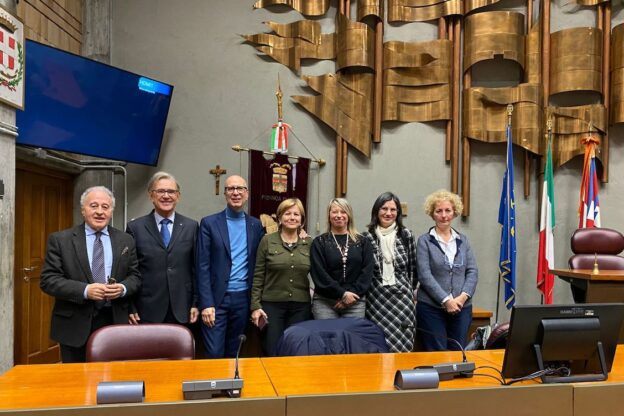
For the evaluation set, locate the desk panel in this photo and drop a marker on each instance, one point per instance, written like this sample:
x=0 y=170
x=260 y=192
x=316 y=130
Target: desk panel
x=72 y=385
x=551 y=400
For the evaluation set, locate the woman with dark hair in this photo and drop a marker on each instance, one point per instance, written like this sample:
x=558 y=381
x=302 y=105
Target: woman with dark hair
x=390 y=300
x=341 y=266
x=281 y=289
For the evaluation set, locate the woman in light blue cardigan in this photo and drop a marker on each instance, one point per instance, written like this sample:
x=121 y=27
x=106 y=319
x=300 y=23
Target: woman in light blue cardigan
x=448 y=275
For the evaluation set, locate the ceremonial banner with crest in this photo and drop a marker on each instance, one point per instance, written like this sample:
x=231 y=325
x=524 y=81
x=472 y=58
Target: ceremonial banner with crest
x=274 y=180
x=11 y=60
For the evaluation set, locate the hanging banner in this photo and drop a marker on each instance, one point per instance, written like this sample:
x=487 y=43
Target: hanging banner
x=274 y=180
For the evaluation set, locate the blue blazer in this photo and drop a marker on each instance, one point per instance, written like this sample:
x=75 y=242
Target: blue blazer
x=214 y=260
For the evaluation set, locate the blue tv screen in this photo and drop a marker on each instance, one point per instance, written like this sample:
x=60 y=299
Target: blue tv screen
x=78 y=105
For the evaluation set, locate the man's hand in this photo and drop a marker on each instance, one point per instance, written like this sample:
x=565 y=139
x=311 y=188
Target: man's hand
x=193 y=315
x=208 y=316
x=96 y=291
x=113 y=291
x=134 y=318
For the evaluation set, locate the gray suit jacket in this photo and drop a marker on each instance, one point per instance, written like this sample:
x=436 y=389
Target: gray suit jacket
x=66 y=273
x=168 y=273
x=436 y=276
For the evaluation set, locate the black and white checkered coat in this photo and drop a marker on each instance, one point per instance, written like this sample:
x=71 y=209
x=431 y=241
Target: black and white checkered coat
x=393 y=307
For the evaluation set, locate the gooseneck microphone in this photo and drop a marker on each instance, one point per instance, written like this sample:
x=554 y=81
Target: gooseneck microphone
x=207 y=389
x=447 y=371
x=241 y=339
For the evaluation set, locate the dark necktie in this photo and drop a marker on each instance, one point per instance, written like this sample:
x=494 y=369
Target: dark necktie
x=97 y=263
x=164 y=231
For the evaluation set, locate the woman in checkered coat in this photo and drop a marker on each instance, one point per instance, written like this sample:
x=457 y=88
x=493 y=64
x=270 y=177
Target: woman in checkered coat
x=390 y=299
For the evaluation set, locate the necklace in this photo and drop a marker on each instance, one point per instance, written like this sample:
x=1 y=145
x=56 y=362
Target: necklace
x=289 y=243
x=343 y=253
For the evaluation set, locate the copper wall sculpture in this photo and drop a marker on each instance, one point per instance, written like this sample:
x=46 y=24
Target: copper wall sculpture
x=305 y=7
x=617 y=74
x=576 y=60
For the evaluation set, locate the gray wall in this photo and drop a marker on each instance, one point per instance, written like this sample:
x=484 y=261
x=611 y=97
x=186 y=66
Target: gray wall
x=224 y=95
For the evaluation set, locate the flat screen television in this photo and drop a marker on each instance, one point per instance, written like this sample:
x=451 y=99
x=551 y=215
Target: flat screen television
x=572 y=342
x=78 y=105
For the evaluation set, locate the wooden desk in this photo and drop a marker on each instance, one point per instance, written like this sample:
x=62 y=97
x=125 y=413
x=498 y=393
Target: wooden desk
x=607 y=286
x=363 y=385
x=72 y=387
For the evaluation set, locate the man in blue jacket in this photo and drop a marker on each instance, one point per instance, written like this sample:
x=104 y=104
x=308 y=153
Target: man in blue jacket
x=226 y=258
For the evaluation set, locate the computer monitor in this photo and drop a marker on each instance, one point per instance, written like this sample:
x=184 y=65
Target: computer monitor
x=578 y=341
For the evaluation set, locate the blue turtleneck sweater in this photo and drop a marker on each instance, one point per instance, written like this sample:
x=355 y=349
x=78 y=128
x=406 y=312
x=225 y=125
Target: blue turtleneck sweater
x=237 y=231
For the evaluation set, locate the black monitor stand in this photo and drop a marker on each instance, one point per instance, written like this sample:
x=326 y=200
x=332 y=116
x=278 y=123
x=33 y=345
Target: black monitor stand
x=573 y=378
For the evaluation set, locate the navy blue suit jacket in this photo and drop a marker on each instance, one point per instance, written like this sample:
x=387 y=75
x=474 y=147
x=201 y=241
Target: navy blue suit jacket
x=214 y=260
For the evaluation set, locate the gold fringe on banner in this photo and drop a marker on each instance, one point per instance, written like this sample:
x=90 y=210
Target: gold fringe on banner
x=367 y=8
x=617 y=74
x=355 y=44
x=344 y=104
x=493 y=33
x=417 y=81
x=576 y=60
x=485 y=115
x=571 y=125
x=305 y=7
x=422 y=11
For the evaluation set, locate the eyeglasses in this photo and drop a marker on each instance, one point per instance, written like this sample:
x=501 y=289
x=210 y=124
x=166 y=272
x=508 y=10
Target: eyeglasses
x=161 y=192
x=232 y=189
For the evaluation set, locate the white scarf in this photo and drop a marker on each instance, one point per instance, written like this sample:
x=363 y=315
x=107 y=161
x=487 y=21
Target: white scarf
x=387 y=238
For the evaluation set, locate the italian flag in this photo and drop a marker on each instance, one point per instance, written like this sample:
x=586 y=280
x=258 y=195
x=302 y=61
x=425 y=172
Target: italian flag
x=279 y=138
x=546 y=252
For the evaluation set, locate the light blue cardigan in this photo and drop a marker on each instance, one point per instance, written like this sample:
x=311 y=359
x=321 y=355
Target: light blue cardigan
x=436 y=276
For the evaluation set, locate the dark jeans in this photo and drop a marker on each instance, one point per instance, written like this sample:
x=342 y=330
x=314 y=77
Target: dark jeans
x=281 y=315
x=230 y=321
x=101 y=318
x=436 y=326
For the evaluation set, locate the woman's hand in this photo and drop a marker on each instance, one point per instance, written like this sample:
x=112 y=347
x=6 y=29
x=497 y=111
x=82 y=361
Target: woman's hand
x=452 y=306
x=461 y=299
x=349 y=298
x=256 y=315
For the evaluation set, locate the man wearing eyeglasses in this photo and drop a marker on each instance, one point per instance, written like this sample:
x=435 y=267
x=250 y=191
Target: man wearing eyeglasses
x=165 y=242
x=226 y=258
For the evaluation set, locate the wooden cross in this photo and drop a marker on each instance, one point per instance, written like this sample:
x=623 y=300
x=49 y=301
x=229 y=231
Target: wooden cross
x=217 y=172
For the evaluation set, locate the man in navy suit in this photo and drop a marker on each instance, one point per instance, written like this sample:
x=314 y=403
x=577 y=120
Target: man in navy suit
x=165 y=243
x=91 y=270
x=226 y=258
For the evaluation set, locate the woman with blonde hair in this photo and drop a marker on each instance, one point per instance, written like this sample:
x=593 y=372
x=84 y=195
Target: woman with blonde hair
x=448 y=275
x=280 y=295
x=341 y=266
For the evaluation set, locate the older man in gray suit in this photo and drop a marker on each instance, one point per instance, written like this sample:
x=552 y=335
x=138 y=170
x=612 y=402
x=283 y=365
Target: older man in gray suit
x=165 y=241
x=92 y=271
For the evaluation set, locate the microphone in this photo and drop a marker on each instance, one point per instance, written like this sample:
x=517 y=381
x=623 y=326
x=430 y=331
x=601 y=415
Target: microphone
x=446 y=371
x=207 y=389
x=241 y=339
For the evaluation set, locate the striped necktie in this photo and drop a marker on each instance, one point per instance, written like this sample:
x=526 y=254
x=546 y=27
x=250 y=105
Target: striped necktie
x=97 y=262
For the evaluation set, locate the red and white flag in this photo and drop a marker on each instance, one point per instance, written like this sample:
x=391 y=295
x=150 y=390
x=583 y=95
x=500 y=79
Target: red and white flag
x=589 y=207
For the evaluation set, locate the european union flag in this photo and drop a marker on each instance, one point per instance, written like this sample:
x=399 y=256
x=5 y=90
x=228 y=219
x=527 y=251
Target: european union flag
x=507 y=219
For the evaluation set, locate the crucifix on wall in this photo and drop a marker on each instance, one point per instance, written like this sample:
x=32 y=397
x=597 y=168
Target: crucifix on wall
x=217 y=172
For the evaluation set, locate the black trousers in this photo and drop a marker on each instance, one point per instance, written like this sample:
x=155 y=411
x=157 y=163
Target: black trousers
x=101 y=317
x=281 y=315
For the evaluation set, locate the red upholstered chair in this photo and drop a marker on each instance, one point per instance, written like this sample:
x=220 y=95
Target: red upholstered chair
x=141 y=342
x=600 y=244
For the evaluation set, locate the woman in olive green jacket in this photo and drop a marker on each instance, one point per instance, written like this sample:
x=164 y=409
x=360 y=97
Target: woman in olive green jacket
x=280 y=295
